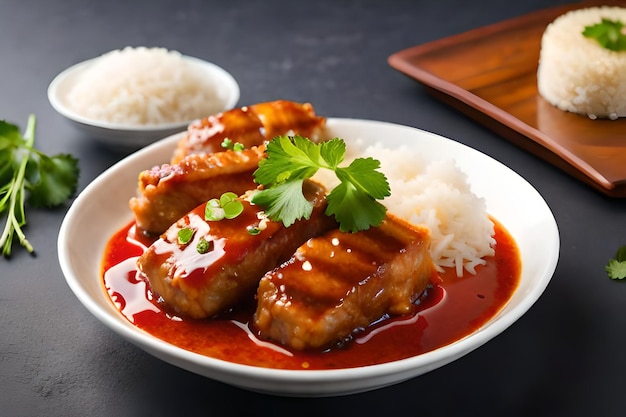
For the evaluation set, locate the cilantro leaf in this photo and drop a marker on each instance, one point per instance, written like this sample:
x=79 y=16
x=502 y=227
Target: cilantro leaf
x=362 y=172
x=55 y=182
x=287 y=160
x=10 y=142
x=616 y=267
x=285 y=202
x=332 y=152
x=10 y=135
x=291 y=160
x=354 y=209
x=608 y=33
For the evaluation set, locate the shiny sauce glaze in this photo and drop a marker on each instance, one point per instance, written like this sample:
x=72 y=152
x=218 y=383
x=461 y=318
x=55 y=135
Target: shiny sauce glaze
x=448 y=311
x=195 y=268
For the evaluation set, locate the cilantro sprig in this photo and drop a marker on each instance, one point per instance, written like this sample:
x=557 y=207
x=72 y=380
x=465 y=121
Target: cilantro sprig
x=616 y=267
x=608 y=33
x=29 y=176
x=292 y=160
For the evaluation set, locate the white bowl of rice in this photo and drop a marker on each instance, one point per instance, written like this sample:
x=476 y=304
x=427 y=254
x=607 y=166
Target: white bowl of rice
x=130 y=97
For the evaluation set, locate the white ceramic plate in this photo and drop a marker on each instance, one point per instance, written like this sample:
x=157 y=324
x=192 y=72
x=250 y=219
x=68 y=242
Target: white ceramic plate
x=133 y=136
x=102 y=209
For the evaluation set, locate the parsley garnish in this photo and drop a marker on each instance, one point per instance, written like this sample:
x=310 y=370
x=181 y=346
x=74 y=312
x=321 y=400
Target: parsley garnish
x=27 y=174
x=616 y=268
x=292 y=160
x=609 y=34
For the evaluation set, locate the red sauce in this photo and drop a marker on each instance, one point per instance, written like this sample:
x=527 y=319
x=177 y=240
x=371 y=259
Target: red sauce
x=450 y=310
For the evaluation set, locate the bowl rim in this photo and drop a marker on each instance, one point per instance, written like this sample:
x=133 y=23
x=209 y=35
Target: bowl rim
x=56 y=101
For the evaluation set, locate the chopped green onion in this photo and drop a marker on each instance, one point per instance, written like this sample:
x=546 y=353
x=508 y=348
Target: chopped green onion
x=227 y=143
x=227 y=197
x=227 y=207
x=185 y=235
x=234 y=146
x=204 y=246
x=213 y=210
x=254 y=230
x=231 y=205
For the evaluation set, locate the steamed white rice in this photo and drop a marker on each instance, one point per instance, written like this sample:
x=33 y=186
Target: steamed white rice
x=576 y=73
x=438 y=195
x=144 y=86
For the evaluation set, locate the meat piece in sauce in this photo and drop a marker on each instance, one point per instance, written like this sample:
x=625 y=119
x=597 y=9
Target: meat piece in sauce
x=251 y=126
x=340 y=282
x=168 y=192
x=202 y=169
x=201 y=285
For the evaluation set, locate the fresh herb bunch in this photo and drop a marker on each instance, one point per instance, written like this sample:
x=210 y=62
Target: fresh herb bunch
x=609 y=34
x=292 y=160
x=28 y=175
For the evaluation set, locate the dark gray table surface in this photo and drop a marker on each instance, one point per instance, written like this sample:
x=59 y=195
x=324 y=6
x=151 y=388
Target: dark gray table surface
x=565 y=357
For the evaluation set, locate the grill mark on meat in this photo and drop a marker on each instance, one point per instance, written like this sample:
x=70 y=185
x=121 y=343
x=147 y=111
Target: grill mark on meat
x=338 y=283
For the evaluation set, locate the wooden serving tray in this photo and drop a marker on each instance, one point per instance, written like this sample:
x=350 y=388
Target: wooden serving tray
x=490 y=74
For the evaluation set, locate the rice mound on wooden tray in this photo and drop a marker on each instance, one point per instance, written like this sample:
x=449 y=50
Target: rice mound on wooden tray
x=576 y=73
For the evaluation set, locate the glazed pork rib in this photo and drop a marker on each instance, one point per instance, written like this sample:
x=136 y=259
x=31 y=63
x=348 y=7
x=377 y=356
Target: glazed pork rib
x=202 y=169
x=168 y=192
x=251 y=126
x=339 y=282
x=201 y=285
